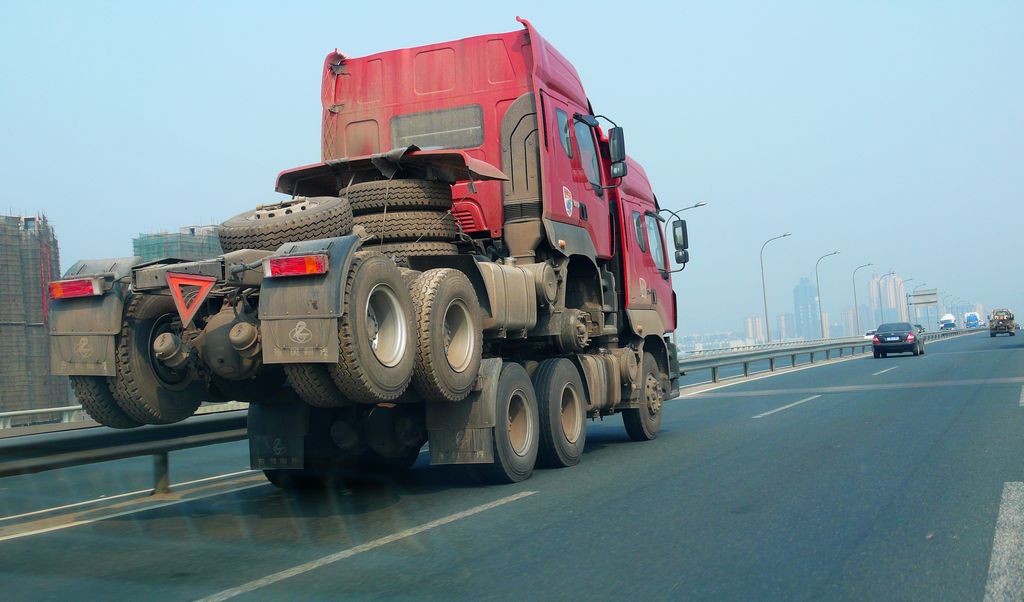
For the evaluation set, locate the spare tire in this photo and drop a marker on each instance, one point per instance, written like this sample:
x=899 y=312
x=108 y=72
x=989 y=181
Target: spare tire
x=147 y=391
x=267 y=227
x=450 y=335
x=376 y=332
x=400 y=252
x=94 y=395
x=409 y=226
x=388 y=195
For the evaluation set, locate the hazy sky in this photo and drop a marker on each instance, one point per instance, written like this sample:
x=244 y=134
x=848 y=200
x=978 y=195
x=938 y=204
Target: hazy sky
x=890 y=130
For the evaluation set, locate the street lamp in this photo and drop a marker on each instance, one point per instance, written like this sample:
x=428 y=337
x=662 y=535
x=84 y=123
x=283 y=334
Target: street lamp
x=856 y=308
x=881 y=310
x=817 y=283
x=764 y=289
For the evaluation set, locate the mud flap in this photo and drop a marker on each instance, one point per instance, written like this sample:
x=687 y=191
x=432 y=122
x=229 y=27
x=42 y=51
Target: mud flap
x=461 y=432
x=277 y=435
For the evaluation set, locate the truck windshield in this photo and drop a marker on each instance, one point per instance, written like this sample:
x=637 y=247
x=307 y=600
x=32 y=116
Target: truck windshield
x=654 y=237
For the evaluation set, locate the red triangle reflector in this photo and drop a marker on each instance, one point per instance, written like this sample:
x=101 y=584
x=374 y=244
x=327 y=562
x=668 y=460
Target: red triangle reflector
x=187 y=311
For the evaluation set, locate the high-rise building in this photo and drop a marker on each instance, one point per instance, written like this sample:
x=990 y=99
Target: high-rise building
x=190 y=243
x=805 y=309
x=755 y=328
x=29 y=259
x=888 y=299
x=787 y=326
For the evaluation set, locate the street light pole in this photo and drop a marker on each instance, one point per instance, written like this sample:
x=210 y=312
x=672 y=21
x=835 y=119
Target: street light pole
x=856 y=308
x=817 y=283
x=881 y=309
x=764 y=289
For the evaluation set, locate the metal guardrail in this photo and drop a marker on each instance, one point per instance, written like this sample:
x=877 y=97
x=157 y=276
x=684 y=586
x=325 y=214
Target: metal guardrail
x=67 y=414
x=28 y=454
x=77 y=413
x=772 y=353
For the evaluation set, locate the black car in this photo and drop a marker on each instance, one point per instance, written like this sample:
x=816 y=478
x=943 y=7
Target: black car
x=897 y=337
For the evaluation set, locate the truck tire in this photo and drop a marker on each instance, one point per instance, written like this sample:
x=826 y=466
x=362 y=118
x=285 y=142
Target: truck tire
x=409 y=276
x=94 y=395
x=410 y=226
x=561 y=404
x=144 y=394
x=313 y=383
x=302 y=218
x=376 y=332
x=516 y=435
x=449 y=335
x=642 y=423
x=390 y=195
x=401 y=252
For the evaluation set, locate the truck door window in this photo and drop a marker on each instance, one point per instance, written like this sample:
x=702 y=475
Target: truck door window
x=654 y=237
x=563 y=131
x=638 y=229
x=588 y=154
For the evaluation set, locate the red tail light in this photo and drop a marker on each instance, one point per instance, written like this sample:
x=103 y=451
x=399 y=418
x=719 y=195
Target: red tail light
x=303 y=265
x=910 y=337
x=874 y=339
x=79 y=287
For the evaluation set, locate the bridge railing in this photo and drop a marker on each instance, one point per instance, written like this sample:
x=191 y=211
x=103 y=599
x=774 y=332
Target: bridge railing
x=38 y=452
x=789 y=353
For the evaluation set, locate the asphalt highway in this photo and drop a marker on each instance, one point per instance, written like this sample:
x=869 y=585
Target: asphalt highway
x=897 y=478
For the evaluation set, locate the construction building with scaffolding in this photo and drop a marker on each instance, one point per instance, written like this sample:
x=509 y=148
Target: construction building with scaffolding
x=29 y=260
x=191 y=243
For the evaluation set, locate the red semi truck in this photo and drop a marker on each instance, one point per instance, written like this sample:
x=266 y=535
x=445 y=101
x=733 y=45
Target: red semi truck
x=475 y=262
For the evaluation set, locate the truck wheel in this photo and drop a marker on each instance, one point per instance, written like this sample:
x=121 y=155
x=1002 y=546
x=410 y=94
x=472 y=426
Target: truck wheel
x=313 y=383
x=642 y=423
x=449 y=335
x=94 y=395
x=376 y=332
x=267 y=227
x=517 y=432
x=146 y=390
x=388 y=195
x=400 y=252
x=409 y=226
x=562 y=408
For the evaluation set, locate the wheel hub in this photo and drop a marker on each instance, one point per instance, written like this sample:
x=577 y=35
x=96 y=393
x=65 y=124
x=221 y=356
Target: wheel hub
x=296 y=205
x=652 y=395
x=386 y=327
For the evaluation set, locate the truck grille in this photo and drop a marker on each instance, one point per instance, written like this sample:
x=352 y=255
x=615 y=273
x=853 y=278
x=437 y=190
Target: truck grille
x=466 y=220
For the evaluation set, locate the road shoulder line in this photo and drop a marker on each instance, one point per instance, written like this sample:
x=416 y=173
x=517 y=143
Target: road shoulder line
x=1006 y=566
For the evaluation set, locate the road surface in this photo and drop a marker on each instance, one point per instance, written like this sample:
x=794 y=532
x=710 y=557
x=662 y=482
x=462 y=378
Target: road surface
x=896 y=478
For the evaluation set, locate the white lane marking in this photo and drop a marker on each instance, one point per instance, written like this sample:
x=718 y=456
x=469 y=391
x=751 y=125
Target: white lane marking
x=1006 y=567
x=366 y=547
x=787 y=406
x=127 y=512
x=120 y=495
x=1022 y=397
x=884 y=371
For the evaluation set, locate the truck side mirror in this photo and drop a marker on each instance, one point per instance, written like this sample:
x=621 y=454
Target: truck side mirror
x=682 y=256
x=679 y=236
x=616 y=145
x=617 y=152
